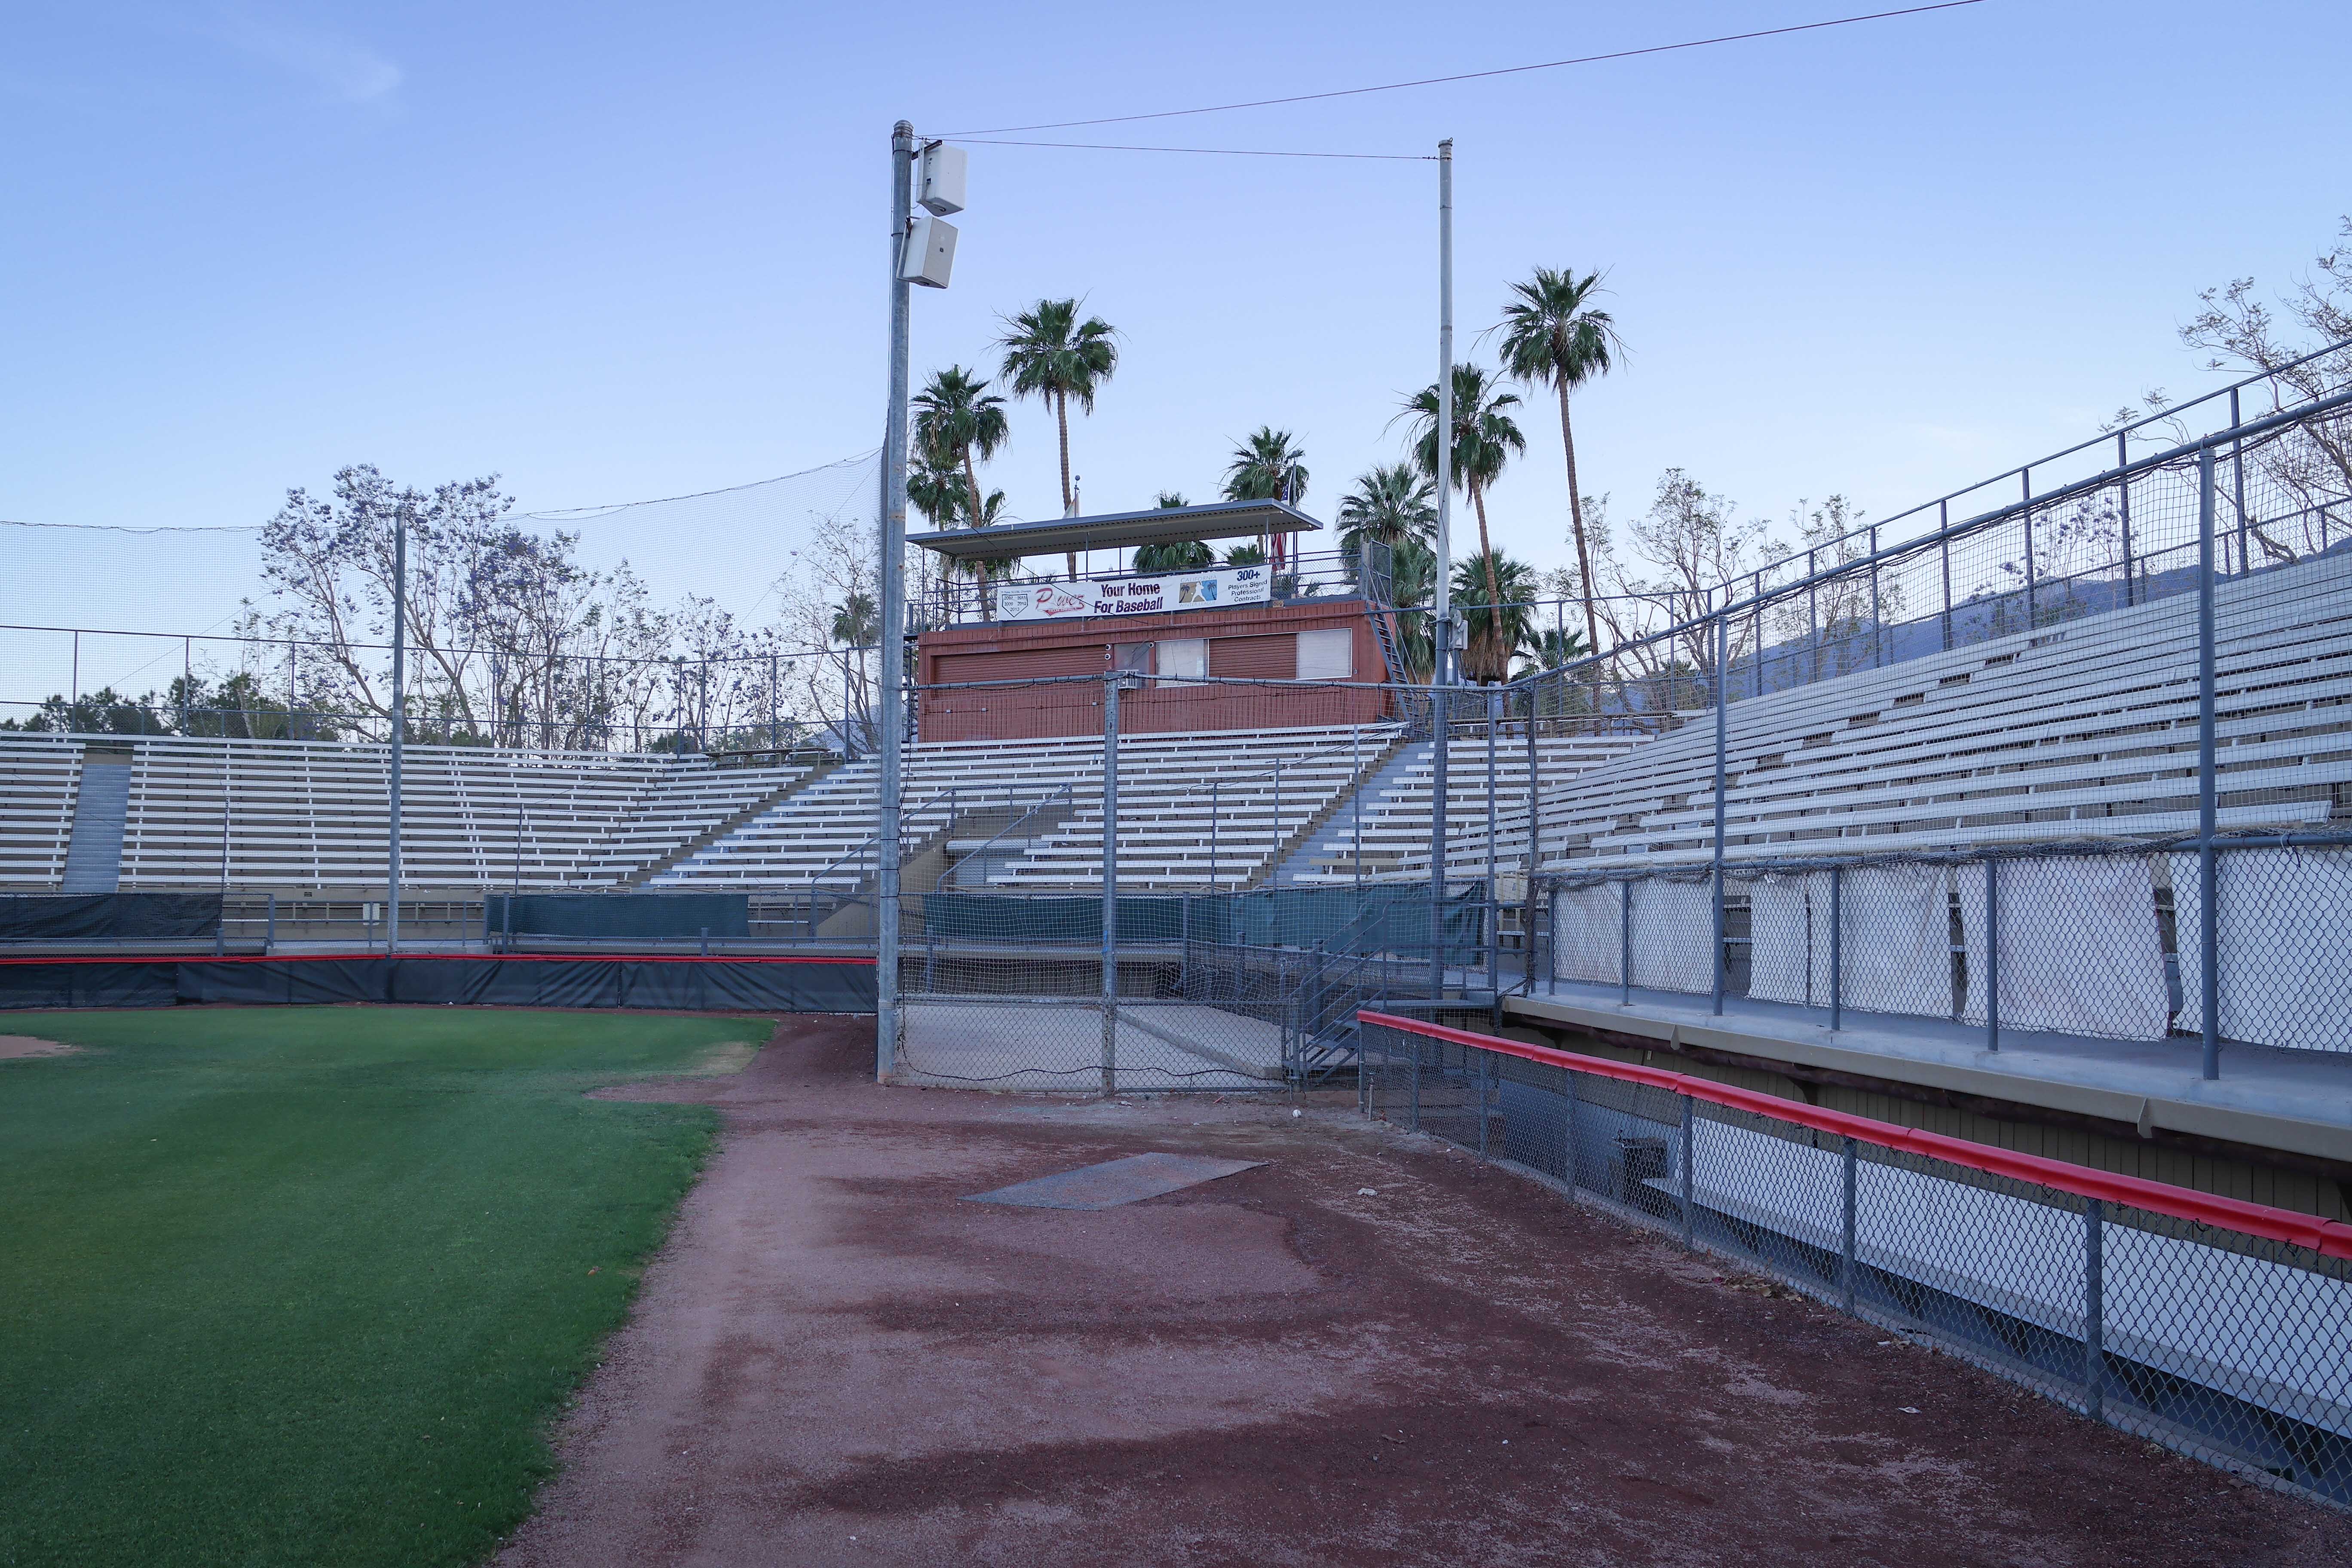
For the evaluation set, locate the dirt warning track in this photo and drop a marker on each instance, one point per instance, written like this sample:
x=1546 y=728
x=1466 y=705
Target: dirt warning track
x=835 y=1361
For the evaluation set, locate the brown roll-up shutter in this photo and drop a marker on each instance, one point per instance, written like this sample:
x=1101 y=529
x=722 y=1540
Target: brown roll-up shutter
x=1274 y=658
x=1024 y=663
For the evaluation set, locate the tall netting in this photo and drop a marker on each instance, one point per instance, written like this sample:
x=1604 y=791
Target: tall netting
x=735 y=619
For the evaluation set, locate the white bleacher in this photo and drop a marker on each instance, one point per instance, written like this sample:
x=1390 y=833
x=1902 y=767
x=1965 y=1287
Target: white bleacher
x=2082 y=728
x=312 y=815
x=822 y=834
x=1396 y=822
x=39 y=775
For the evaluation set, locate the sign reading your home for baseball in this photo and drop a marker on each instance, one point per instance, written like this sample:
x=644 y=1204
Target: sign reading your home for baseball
x=1133 y=595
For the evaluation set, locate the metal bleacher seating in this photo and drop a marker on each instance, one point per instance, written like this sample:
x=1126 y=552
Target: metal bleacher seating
x=316 y=815
x=38 y=777
x=2083 y=727
x=1045 y=797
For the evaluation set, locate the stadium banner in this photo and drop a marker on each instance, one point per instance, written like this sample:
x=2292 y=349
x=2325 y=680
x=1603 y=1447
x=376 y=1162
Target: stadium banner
x=1134 y=595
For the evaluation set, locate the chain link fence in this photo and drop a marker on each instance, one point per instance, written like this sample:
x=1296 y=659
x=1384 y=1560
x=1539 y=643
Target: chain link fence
x=2213 y=1326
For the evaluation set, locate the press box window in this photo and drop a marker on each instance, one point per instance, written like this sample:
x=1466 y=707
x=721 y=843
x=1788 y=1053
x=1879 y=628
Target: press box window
x=1132 y=657
x=1184 y=658
x=1326 y=656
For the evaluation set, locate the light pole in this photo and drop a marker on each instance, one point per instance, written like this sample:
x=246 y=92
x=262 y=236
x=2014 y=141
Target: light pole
x=1441 y=629
x=399 y=721
x=922 y=251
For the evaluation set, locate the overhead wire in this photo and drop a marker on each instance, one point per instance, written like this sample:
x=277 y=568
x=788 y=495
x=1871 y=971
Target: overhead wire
x=1459 y=76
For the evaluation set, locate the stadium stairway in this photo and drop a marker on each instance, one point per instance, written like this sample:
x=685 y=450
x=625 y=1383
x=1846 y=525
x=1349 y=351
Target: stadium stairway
x=1329 y=848
x=94 y=853
x=718 y=830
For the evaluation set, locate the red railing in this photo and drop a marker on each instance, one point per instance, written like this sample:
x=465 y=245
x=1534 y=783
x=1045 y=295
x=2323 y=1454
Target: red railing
x=2328 y=1237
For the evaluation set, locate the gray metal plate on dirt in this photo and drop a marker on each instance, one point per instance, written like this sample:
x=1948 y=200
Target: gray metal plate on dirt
x=1114 y=1182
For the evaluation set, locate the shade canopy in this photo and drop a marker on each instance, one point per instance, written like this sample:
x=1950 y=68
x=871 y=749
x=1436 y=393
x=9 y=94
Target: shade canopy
x=1120 y=530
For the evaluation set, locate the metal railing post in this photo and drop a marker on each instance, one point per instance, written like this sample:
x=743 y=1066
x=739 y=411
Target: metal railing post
x=2123 y=511
x=1689 y=1159
x=1438 y=785
x=1534 y=798
x=1837 y=967
x=1626 y=942
x=2095 y=1309
x=2208 y=924
x=1568 y=1132
x=1110 y=887
x=1846 y=1269
x=1722 y=623
x=1992 y=953
x=270 y=932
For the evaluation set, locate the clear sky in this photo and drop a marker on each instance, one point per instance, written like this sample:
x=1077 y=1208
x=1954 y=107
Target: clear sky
x=617 y=251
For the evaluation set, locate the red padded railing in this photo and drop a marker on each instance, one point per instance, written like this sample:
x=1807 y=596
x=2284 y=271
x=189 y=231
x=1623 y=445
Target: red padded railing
x=2330 y=1237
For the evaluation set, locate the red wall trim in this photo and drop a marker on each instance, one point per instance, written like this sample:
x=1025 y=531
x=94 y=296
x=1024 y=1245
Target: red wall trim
x=2330 y=1237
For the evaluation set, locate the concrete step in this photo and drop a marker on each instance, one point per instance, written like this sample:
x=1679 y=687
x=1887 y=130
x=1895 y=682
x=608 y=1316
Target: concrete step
x=94 y=853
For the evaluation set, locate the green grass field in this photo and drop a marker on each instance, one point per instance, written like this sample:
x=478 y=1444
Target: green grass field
x=308 y=1285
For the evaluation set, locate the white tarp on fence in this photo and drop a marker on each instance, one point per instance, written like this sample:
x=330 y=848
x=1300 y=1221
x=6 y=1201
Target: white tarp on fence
x=2285 y=927
x=2080 y=949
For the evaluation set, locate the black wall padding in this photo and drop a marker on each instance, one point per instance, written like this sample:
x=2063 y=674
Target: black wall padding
x=85 y=917
x=646 y=916
x=553 y=981
x=87 y=984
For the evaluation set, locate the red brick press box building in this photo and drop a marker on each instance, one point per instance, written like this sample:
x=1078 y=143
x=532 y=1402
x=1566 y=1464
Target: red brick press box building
x=1181 y=657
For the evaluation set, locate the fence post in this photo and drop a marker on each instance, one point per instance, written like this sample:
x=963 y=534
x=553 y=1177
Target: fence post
x=1845 y=1253
x=2026 y=517
x=1992 y=953
x=2237 y=492
x=1437 y=788
x=1690 y=1158
x=1944 y=546
x=1626 y=942
x=1110 y=887
x=1213 y=785
x=2095 y=1309
x=1568 y=1132
x=270 y=932
x=1837 y=965
x=1416 y=1081
x=1485 y=1070
x=2208 y=925
x=1722 y=622
x=1355 y=792
x=1535 y=845
x=2123 y=458
x=1876 y=659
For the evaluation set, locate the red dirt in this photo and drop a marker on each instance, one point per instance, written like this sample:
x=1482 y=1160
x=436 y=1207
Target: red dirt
x=836 y=1362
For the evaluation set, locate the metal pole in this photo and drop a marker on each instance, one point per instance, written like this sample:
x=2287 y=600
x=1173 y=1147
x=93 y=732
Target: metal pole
x=1110 y=887
x=1356 y=755
x=1689 y=1159
x=269 y=934
x=2238 y=491
x=1837 y=967
x=1443 y=589
x=2123 y=455
x=2094 y=1302
x=1528 y=919
x=2208 y=924
x=892 y=658
x=73 y=682
x=1944 y=545
x=1212 y=833
x=1494 y=890
x=1437 y=787
x=1626 y=942
x=1721 y=711
x=1846 y=1255
x=1876 y=659
x=1568 y=1132
x=399 y=719
x=1993 y=953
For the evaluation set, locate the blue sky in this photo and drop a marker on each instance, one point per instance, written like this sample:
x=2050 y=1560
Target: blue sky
x=620 y=251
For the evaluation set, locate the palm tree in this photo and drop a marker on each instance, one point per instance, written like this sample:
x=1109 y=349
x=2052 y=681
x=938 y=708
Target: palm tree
x=1552 y=336
x=1051 y=355
x=935 y=487
x=1484 y=438
x=1388 y=506
x=1501 y=619
x=1267 y=467
x=1184 y=555
x=957 y=419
